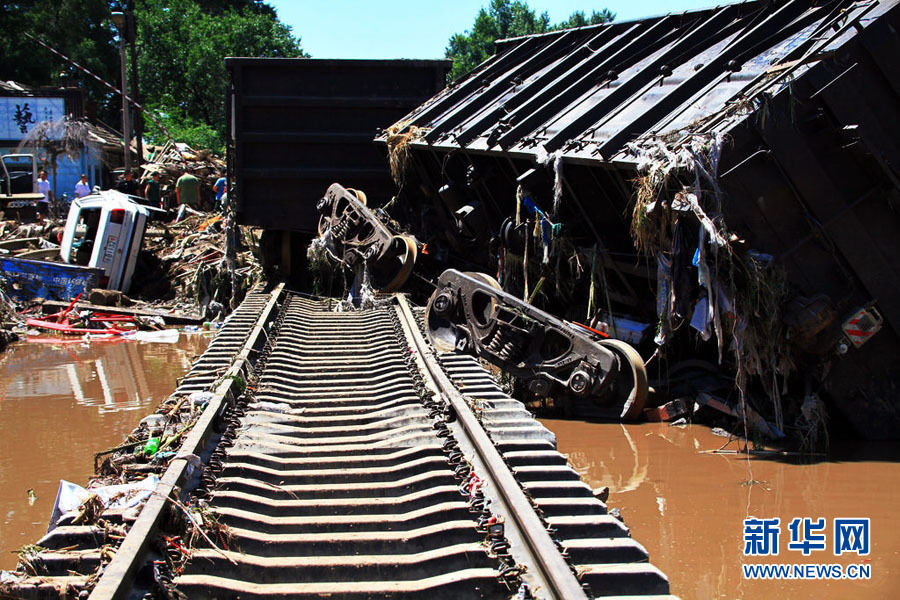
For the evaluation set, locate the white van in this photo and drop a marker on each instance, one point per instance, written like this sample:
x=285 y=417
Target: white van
x=105 y=230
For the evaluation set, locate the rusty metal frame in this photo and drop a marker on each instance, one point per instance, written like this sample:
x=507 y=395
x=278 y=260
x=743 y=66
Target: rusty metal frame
x=468 y=312
x=354 y=236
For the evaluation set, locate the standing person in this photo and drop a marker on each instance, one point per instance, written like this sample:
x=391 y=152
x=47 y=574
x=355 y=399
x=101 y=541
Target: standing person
x=127 y=185
x=151 y=191
x=219 y=188
x=44 y=188
x=187 y=189
x=82 y=188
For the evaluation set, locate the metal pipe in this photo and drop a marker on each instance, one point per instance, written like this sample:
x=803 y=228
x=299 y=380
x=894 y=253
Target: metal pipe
x=138 y=120
x=126 y=121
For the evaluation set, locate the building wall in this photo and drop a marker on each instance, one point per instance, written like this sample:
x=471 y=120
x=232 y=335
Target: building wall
x=68 y=171
x=20 y=114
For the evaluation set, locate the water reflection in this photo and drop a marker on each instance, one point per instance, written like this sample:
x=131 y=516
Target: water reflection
x=112 y=375
x=60 y=402
x=687 y=505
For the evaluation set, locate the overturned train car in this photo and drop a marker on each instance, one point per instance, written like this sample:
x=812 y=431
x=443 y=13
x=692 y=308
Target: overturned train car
x=721 y=184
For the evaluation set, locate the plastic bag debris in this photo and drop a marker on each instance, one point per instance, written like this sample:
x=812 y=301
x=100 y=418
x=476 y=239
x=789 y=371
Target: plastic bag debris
x=70 y=496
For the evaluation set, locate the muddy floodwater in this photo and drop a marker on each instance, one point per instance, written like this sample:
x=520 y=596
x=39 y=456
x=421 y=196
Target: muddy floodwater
x=61 y=402
x=687 y=507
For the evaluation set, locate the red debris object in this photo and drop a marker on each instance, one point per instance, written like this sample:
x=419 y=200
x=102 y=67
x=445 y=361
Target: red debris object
x=591 y=329
x=59 y=322
x=111 y=318
x=668 y=411
x=67 y=328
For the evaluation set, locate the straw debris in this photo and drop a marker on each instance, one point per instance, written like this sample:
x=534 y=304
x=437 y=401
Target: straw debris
x=399 y=136
x=744 y=291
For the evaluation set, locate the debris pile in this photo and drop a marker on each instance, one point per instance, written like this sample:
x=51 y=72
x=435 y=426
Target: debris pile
x=126 y=476
x=203 y=261
x=171 y=161
x=9 y=318
x=17 y=240
x=707 y=275
x=198 y=266
x=150 y=447
x=13 y=235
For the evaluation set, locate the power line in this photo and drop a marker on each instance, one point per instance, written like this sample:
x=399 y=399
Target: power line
x=110 y=86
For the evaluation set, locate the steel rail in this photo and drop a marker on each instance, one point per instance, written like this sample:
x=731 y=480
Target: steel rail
x=550 y=574
x=392 y=463
x=116 y=580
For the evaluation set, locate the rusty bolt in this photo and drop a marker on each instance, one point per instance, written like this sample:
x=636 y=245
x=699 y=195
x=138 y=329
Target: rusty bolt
x=540 y=387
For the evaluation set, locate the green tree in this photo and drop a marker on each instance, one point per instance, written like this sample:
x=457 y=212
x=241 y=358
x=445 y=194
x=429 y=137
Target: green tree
x=579 y=19
x=216 y=7
x=80 y=29
x=505 y=19
x=181 y=60
x=181 y=45
x=502 y=19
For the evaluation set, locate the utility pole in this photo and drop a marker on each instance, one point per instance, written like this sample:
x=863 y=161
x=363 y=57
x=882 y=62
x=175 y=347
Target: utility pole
x=131 y=26
x=118 y=19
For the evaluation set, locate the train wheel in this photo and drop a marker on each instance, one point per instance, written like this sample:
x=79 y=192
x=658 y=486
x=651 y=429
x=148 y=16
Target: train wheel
x=395 y=267
x=630 y=387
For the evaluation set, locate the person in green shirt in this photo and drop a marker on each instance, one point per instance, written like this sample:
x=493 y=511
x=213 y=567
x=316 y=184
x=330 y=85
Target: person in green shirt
x=151 y=191
x=187 y=190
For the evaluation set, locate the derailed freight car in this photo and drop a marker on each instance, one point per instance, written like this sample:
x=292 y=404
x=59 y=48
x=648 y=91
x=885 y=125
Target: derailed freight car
x=297 y=125
x=729 y=175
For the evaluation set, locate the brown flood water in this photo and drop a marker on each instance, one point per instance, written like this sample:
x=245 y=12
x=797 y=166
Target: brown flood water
x=687 y=508
x=60 y=403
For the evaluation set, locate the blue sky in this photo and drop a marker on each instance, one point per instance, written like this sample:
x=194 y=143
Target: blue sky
x=421 y=28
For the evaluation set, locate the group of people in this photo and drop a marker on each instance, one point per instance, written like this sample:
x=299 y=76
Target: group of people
x=187 y=190
x=82 y=188
x=152 y=191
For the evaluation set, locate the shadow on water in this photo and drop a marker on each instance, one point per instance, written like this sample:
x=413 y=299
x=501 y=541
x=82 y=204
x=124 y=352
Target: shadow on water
x=840 y=452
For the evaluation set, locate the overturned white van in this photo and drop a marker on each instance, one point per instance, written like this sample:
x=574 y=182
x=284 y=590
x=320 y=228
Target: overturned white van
x=105 y=230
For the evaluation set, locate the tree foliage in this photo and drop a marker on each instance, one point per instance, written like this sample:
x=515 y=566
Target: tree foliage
x=505 y=19
x=579 y=19
x=181 y=59
x=217 y=7
x=80 y=29
x=181 y=46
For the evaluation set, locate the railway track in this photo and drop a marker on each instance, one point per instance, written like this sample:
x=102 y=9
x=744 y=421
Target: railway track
x=358 y=464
